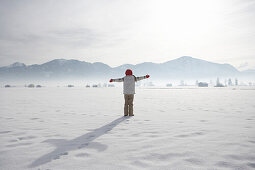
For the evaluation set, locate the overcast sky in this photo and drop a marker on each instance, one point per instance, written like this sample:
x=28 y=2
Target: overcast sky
x=127 y=31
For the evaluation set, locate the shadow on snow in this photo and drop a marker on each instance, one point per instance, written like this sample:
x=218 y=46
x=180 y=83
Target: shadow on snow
x=64 y=146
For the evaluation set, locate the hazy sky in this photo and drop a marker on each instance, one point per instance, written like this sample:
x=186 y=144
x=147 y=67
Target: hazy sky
x=127 y=31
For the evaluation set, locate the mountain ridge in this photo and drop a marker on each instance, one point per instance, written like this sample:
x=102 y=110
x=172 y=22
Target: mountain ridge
x=184 y=67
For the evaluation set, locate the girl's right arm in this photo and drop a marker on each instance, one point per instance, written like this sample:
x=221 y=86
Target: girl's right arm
x=117 y=80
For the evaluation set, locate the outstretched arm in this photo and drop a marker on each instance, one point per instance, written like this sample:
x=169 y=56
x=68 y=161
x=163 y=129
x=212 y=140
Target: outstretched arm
x=142 y=77
x=117 y=80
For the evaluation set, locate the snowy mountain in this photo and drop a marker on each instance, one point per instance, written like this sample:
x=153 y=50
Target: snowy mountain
x=184 y=67
x=60 y=69
x=249 y=71
x=57 y=69
x=17 y=64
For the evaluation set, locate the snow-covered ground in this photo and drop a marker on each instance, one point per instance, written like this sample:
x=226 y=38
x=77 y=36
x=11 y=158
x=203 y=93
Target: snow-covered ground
x=83 y=128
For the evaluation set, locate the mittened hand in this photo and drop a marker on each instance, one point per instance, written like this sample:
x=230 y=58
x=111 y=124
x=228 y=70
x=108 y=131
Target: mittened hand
x=110 y=81
x=147 y=76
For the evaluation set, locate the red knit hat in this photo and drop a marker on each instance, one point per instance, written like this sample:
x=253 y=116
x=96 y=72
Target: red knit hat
x=129 y=72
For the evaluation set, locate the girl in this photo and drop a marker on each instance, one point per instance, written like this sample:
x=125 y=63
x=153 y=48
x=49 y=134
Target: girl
x=129 y=90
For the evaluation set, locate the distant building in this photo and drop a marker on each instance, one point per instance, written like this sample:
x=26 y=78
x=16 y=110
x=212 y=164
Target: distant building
x=169 y=85
x=7 y=86
x=202 y=84
x=111 y=85
x=31 y=86
x=230 y=82
x=217 y=81
x=236 y=82
x=218 y=84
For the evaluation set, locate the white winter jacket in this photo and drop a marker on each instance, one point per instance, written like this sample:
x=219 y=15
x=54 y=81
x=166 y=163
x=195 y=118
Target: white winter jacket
x=129 y=83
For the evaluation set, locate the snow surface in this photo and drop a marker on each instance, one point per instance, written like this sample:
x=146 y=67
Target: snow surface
x=82 y=128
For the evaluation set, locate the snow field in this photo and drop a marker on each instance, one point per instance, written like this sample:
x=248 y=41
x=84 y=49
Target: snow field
x=81 y=128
